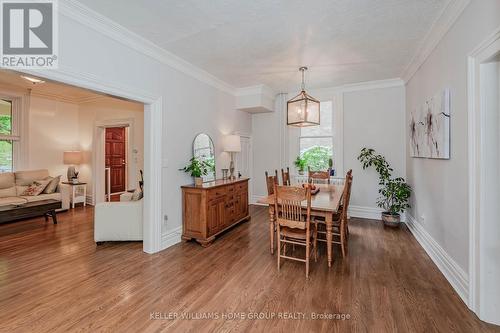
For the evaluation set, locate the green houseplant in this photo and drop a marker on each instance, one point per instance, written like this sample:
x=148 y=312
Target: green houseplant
x=197 y=169
x=394 y=192
x=300 y=163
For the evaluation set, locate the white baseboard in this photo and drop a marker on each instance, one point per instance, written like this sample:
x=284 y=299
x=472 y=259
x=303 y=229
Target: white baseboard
x=255 y=198
x=171 y=237
x=365 y=212
x=455 y=275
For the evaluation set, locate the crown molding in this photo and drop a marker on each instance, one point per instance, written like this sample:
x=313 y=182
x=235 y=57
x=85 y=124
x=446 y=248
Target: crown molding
x=439 y=28
x=360 y=86
x=91 y=19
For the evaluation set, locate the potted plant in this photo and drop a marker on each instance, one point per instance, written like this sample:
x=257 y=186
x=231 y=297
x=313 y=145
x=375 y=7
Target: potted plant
x=394 y=192
x=330 y=166
x=197 y=169
x=300 y=163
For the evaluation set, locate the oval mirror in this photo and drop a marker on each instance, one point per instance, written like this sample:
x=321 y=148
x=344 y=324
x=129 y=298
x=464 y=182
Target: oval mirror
x=203 y=150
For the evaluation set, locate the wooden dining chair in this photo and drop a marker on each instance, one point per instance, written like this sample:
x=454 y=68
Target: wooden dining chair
x=318 y=177
x=285 y=176
x=270 y=181
x=340 y=221
x=293 y=224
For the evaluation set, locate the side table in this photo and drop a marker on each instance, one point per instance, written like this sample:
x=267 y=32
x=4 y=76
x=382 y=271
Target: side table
x=76 y=193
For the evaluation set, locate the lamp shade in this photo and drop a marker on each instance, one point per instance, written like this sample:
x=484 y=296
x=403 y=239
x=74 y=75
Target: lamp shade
x=232 y=144
x=72 y=157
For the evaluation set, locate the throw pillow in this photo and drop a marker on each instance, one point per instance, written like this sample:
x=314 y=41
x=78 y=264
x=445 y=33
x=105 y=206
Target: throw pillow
x=35 y=188
x=137 y=195
x=52 y=185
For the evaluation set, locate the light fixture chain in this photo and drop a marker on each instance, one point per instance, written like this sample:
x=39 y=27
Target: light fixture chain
x=303 y=82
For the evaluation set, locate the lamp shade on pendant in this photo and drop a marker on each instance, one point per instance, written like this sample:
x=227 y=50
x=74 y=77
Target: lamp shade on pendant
x=232 y=144
x=303 y=110
x=72 y=157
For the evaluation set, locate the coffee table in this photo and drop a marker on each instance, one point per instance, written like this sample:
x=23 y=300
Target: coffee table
x=9 y=213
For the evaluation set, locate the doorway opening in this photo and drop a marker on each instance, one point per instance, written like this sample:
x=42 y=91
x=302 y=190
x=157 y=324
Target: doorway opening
x=484 y=186
x=152 y=137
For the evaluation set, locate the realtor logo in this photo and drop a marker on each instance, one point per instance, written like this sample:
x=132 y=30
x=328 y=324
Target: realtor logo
x=29 y=34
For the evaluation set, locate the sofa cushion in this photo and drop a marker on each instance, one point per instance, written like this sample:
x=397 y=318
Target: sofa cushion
x=7 y=180
x=52 y=186
x=25 y=178
x=12 y=201
x=35 y=188
x=54 y=196
x=8 y=192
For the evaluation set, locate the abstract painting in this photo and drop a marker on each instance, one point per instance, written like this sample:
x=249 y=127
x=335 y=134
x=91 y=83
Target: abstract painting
x=430 y=128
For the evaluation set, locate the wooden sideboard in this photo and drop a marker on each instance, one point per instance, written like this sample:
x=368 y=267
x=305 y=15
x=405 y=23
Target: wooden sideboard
x=212 y=208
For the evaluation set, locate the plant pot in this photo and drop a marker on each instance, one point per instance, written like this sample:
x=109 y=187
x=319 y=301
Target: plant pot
x=391 y=220
x=301 y=172
x=198 y=181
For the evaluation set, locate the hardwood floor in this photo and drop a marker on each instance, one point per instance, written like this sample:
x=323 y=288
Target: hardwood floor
x=53 y=278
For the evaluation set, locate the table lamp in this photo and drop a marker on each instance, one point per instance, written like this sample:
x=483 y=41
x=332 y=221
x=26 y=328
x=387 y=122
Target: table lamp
x=72 y=158
x=233 y=145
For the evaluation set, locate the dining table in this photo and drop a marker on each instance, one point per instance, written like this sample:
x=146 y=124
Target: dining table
x=324 y=204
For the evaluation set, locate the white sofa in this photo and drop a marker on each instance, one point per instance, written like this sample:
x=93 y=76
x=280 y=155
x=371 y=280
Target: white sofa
x=118 y=221
x=13 y=184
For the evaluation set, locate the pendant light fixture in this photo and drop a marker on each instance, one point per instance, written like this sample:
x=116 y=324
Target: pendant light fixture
x=303 y=109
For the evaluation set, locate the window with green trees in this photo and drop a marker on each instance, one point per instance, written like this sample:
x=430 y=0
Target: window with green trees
x=316 y=142
x=6 y=136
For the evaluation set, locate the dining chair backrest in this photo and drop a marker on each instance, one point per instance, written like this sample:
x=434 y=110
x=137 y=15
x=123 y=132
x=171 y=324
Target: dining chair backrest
x=285 y=176
x=319 y=177
x=346 y=195
x=271 y=181
x=288 y=202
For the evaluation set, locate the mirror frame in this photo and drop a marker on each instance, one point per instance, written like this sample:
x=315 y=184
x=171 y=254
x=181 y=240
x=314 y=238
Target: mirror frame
x=213 y=146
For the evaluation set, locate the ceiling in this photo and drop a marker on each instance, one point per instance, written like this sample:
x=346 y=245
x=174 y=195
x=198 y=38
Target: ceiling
x=49 y=89
x=246 y=43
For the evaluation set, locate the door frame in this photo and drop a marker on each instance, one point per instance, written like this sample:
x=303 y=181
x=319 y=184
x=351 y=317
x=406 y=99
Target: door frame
x=153 y=140
x=484 y=51
x=99 y=153
x=250 y=166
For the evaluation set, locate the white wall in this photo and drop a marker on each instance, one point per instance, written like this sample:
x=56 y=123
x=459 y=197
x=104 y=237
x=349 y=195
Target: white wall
x=109 y=109
x=441 y=186
x=371 y=118
x=56 y=126
x=53 y=128
x=374 y=119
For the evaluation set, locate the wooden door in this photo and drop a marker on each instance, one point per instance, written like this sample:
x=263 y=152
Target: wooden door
x=116 y=157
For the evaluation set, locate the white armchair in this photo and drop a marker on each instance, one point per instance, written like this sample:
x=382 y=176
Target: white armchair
x=118 y=221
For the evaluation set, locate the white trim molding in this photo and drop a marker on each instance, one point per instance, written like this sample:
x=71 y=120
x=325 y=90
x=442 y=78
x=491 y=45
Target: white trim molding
x=171 y=237
x=359 y=86
x=488 y=48
x=439 y=28
x=372 y=213
x=455 y=275
x=86 y=16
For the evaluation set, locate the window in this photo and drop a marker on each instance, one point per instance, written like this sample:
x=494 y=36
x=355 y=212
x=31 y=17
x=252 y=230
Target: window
x=8 y=137
x=316 y=142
